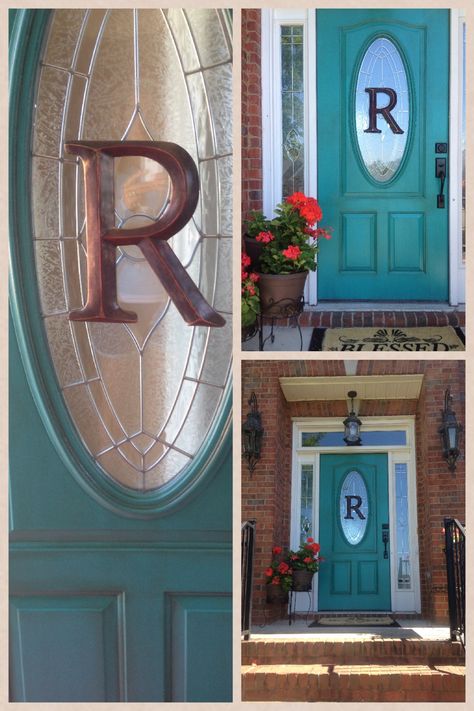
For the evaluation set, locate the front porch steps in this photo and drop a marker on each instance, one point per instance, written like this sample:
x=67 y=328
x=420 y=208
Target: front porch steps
x=352 y=670
x=387 y=318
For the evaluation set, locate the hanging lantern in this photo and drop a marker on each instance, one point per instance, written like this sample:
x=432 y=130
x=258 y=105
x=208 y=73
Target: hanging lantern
x=352 y=424
x=252 y=433
x=449 y=432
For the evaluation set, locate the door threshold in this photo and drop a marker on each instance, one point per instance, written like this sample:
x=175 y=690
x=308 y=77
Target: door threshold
x=441 y=306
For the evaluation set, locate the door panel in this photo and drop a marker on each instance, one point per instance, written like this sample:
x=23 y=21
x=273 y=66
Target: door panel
x=390 y=239
x=353 y=507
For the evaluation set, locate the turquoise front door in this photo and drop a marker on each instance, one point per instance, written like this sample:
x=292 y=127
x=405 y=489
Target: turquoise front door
x=354 y=531
x=382 y=126
x=120 y=576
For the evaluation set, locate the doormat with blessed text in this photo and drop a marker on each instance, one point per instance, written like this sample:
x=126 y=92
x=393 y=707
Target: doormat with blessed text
x=404 y=340
x=355 y=621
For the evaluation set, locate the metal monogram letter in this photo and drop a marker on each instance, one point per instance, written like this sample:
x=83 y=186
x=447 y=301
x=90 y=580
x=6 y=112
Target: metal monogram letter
x=102 y=237
x=384 y=111
x=354 y=507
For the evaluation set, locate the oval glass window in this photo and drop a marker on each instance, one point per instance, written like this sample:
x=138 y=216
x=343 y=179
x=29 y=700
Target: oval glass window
x=353 y=507
x=382 y=109
x=142 y=395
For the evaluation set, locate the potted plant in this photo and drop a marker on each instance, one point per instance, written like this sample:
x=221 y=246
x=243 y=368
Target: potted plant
x=289 y=245
x=250 y=301
x=279 y=577
x=305 y=563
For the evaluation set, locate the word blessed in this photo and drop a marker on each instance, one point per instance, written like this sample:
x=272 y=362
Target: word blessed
x=102 y=237
x=393 y=339
x=395 y=347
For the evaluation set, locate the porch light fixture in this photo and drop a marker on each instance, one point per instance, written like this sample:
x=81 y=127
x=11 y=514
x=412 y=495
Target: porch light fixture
x=252 y=433
x=352 y=424
x=449 y=432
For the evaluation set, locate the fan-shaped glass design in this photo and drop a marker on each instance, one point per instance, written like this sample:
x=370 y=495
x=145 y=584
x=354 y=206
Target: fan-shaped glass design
x=382 y=67
x=143 y=395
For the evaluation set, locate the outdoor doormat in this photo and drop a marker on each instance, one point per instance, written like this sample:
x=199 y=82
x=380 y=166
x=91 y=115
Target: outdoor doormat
x=421 y=338
x=355 y=621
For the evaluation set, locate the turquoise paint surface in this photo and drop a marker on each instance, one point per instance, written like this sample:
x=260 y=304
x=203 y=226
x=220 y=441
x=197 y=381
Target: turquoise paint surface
x=390 y=241
x=102 y=580
x=353 y=577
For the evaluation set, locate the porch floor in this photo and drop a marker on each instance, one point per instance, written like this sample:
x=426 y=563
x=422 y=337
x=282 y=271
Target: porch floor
x=353 y=315
x=408 y=629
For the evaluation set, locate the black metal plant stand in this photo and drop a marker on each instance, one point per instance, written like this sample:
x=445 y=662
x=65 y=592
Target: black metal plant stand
x=277 y=310
x=292 y=605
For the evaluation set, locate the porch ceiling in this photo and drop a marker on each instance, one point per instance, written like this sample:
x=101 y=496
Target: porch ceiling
x=368 y=387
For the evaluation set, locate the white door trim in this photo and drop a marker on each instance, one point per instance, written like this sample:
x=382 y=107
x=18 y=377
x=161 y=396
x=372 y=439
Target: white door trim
x=401 y=600
x=271 y=135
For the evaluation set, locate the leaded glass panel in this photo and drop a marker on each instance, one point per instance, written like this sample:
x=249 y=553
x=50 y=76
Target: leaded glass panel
x=403 y=532
x=382 y=109
x=142 y=395
x=353 y=507
x=292 y=100
x=306 y=515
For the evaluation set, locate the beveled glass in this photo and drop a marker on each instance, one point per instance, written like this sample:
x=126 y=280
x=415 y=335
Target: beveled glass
x=142 y=396
x=382 y=67
x=353 y=495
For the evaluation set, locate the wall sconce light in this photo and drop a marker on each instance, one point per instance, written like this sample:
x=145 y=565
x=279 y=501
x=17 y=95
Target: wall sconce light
x=252 y=433
x=352 y=424
x=449 y=432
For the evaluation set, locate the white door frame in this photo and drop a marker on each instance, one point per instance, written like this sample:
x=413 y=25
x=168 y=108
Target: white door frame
x=272 y=20
x=401 y=600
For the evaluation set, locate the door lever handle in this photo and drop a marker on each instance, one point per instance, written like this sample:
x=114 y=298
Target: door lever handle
x=385 y=538
x=440 y=172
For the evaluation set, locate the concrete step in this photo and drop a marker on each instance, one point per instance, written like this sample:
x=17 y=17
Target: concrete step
x=350 y=651
x=353 y=682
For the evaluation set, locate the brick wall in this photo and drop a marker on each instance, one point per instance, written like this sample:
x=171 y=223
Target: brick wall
x=251 y=113
x=266 y=495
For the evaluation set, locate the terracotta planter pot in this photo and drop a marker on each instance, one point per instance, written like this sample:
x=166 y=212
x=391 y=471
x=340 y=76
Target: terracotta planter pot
x=276 y=595
x=254 y=250
x=302 y=580
x=281 y=294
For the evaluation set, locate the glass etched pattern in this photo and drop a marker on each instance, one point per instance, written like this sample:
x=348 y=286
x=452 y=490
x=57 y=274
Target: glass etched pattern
x=382 y=68
x=292 y=101
x=144 y=395
x=306 y=516
x=403 y=532
x=353 y=507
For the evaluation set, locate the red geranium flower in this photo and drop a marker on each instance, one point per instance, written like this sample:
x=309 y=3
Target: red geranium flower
x=315 y=547
x=264 y=237
x=253 y=276
x=310 y=540
x=291 y=252
x=245 y=259
x=307 y=560
x=276 y=580
x=296 y=199
x=283 y=568
x=277 y=550
x=269 y=572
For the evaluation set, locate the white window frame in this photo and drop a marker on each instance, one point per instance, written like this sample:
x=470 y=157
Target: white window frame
x=457 y=269
x=401 y=600
x=272 y=20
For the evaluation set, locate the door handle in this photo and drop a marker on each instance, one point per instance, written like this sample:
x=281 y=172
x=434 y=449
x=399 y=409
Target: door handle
x=440 y=172
x=385 y=538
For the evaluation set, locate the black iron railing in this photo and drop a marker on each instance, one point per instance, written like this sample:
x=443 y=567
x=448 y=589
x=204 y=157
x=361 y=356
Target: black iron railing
x=247 y=557
x=455 y=540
